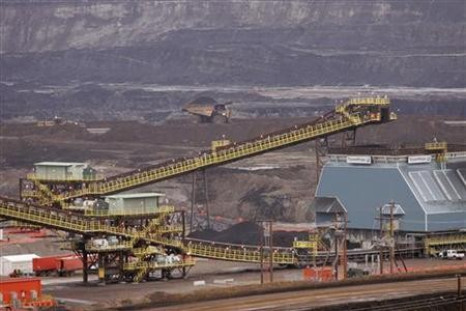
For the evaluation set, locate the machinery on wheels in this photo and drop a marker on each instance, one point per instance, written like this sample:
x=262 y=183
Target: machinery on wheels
x=208 y=110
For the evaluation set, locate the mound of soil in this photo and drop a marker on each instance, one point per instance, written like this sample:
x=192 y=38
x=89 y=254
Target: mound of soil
x=247 y=233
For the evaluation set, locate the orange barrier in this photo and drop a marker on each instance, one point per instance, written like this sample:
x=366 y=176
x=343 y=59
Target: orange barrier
x=318 y=274
x=21 y=292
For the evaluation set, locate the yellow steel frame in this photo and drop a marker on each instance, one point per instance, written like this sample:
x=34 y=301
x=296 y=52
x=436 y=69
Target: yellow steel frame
x=234 y=152
x=234 y=254
x=33 y=176
x=74 y=223
x=304 y=244
x=44 y=190
x=436 y=242
x=161 y=210
x=30 y=194
x=439 y=146
x=138 y=265
x=84 y=225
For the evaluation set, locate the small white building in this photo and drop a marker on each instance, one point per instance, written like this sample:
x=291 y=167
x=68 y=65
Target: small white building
x=16 y=262
x=63 y=171
x=134 y=202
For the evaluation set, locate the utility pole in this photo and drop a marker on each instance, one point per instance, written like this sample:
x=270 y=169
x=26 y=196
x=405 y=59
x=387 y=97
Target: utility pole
x=345 y=257
x=458 y=277
x=183 y=237
x=85 y=260
x=206 y=195
x=262 y=252
x=380 y=240
x=193 y=202
x=271 y=251
x=266 y=240
x=336 y=254
x=392 y=239
x=460 y=305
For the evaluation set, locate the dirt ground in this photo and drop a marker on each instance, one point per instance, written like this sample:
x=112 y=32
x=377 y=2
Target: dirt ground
x=215 y=274
x=43 y=242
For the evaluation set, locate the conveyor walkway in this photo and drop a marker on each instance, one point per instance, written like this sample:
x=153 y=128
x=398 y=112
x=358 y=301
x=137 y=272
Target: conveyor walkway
x=352 y=114
x=77 y=223
x=73 y=222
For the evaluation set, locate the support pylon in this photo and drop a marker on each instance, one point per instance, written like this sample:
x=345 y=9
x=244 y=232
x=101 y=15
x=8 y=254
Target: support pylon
x=200 y=214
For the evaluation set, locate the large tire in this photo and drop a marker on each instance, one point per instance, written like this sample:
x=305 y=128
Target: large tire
x=219 y=119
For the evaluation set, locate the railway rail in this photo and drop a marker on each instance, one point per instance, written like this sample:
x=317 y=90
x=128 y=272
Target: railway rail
x=311 y=299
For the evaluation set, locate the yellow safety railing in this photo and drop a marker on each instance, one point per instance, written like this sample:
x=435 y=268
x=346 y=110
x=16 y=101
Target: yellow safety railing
x=91 y=247
x=436 y=146
x=44 y=192
x=152 y=265
x=74 y=223
x=447 y=239
x=144 y=251
x=369 y=101
x=110 y=213
x=34 y=176
x=61 y=220
x=436 y=242
x=221 y=156
x=304 y=244
x=143 y=267
x=27 y=193
x=348 y=119
x=236 y=254
x=363 y=101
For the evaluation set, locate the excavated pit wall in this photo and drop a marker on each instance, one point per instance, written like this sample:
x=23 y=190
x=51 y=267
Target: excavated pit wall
x=416 y=43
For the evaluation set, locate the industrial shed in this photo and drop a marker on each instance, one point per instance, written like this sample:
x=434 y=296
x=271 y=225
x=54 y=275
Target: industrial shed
x=63 y=171
x=134 y=202
x=16 y=262
x=431 y=196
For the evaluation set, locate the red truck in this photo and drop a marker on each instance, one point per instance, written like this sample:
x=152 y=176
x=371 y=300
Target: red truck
x=67 y=265
x=60 y=265
x=46 y=265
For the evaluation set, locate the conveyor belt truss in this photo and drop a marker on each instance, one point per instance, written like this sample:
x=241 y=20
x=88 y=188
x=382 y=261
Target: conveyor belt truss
x=72 y=222
x=77 y=223
x=447 y=240
x=352 y=114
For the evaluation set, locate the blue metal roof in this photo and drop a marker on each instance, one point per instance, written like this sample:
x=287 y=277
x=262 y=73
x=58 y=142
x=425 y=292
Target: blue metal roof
x=432 y=199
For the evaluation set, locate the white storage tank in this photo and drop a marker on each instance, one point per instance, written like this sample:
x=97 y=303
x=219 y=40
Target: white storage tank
x=16 y=262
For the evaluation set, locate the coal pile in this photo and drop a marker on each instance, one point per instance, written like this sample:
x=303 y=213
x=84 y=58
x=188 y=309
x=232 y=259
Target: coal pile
x=247 y=233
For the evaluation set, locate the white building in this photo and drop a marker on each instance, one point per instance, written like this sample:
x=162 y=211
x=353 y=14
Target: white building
x=134 y=202
x=63 y=171
x=16 y=262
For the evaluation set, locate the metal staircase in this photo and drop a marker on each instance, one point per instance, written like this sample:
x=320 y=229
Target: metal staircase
x=73 y=222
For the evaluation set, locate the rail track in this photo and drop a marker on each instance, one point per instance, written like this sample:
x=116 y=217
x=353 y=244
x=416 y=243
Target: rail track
x=317 y=298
